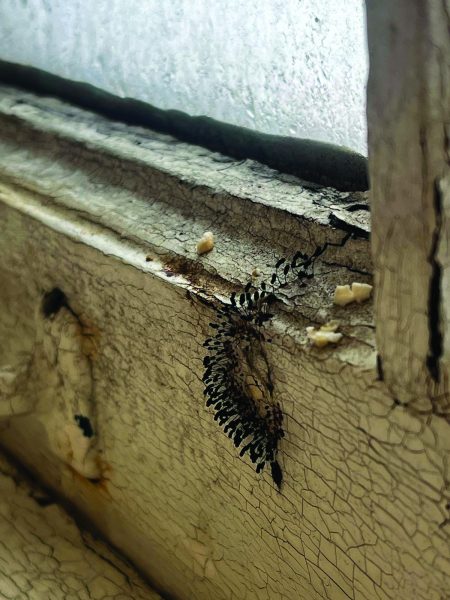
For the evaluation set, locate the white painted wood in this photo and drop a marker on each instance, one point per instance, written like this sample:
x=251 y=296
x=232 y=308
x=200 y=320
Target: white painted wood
x=45 y=554
x=408 y=118
x=13 y=398
x=54 y=383
x=363 y=511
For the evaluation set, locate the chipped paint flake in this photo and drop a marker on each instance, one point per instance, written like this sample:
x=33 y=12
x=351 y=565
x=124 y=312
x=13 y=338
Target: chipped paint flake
x=358 y=292
x=205 y=243
x=325 y=334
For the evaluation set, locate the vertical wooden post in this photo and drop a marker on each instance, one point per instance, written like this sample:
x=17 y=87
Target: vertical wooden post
x=409 y=131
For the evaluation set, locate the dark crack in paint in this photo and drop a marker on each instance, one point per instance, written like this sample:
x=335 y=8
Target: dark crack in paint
x=435 y=294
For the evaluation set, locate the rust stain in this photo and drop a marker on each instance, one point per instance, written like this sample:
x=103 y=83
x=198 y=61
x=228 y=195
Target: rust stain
x=182 y=266
x=90 y=340
x=95 y=485
x=193 y=271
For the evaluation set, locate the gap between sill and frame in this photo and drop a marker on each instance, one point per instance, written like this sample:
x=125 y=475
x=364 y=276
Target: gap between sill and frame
x=46 y=141
x=55 y=135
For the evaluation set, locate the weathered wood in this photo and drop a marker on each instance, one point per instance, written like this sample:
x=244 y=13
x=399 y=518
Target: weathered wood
x=45 y=555
x=409 y=120
x=363 y=511
x=363 y=507
x=54 y=383
x=129 y=177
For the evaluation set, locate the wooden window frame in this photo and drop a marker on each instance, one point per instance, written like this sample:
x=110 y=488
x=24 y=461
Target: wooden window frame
x=114 y=213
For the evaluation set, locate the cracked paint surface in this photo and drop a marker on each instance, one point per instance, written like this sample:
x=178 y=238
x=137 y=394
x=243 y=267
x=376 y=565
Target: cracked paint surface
x=44 y=554
x=54 y=382
x=363 y=508
x=363 y=513
x=408 y=118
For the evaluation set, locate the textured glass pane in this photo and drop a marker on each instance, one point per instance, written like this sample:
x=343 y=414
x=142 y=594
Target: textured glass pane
x=290 y=67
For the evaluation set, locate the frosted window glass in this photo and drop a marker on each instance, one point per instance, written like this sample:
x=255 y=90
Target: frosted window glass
x=289 y=67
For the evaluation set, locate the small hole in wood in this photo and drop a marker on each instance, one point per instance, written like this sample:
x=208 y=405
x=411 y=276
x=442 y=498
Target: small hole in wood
x=53 y=301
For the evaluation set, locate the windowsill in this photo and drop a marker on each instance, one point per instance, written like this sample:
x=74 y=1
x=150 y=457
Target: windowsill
x=111 y=215
x=312 y=160
x=134 y=193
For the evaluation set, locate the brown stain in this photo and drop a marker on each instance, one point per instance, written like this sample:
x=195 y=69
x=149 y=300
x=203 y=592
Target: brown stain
x=95 y=486
x=90 y=335
x=90 y=339
x=190 y=270
x=195 y=274
x=106 y=471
